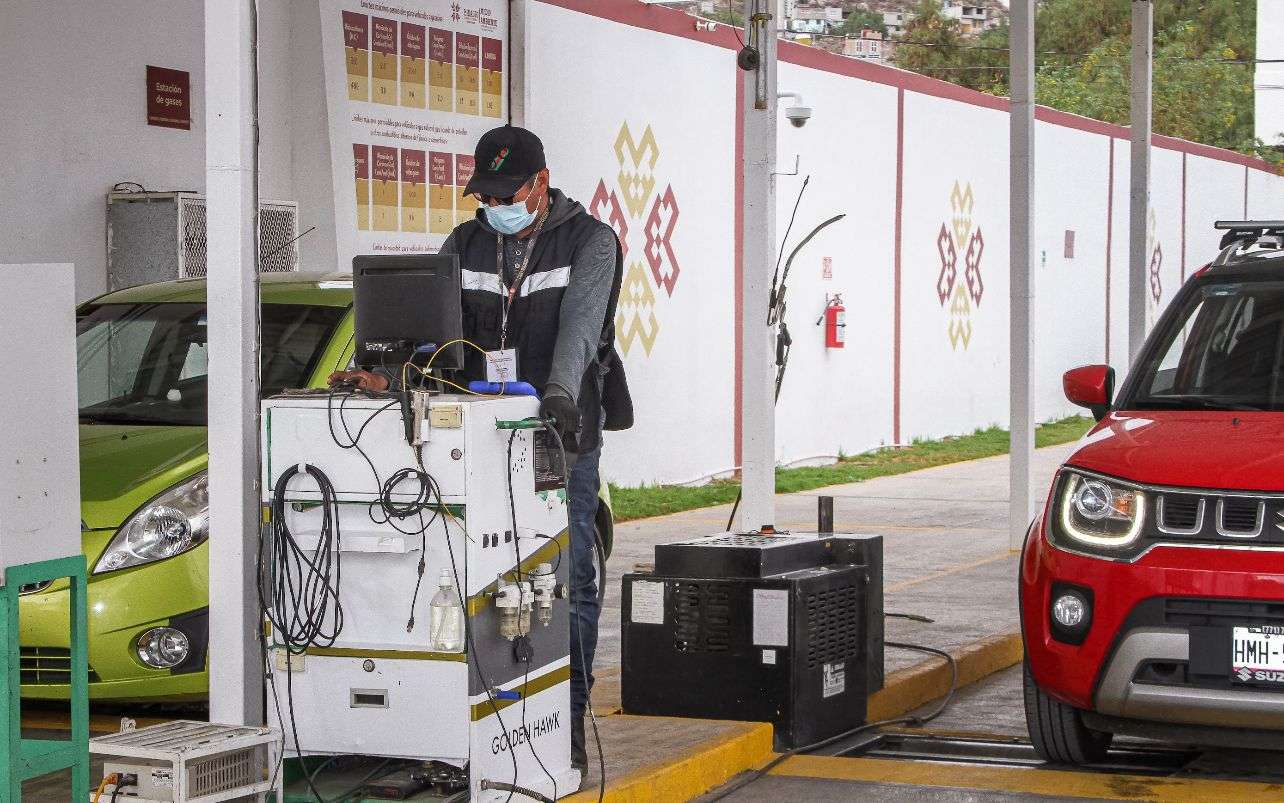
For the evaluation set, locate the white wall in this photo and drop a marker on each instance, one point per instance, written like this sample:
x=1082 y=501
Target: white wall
x=589 y=69
x=583 y=84
x=948 y=387
x=838 y=397
x=75 y=122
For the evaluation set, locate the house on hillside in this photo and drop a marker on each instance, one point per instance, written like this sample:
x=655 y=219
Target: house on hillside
x=870 y=45
x=973 y=17
x=814 y=19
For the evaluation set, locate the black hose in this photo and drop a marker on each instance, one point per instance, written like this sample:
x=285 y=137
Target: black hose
x=600 y=549
x=905 y=720
x=513 y=788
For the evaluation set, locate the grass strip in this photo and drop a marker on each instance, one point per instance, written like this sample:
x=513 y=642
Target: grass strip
x=658 y=500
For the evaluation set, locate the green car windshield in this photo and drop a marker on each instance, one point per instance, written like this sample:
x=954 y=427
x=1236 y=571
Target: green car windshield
x=147 y=363
x=1225 y=351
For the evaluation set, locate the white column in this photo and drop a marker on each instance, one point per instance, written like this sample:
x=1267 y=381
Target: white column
x=1139 y=180
x=236 y=666
x=1021 y=231
x=758 y=146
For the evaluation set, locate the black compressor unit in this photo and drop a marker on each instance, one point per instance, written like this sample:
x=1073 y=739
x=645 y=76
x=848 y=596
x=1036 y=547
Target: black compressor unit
x=781 y=628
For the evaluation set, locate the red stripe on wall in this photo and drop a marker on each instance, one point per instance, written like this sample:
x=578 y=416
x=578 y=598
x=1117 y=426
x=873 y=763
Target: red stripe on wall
x=652 y=18
x=1183 y=218
x=1245 y=192
x=896 y=268
x=1110 y=228
x=739 y=269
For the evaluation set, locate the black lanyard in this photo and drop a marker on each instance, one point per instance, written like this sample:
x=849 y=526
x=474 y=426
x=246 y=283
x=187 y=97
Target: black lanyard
x=519 y=272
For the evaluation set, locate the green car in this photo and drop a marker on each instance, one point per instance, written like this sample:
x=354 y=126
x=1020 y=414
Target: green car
x=142 y=359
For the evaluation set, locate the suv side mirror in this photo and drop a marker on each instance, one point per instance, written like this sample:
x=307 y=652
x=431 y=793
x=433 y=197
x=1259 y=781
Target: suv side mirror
x=1091 y=386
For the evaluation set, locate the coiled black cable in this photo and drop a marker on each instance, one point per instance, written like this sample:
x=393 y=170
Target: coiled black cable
x=301 y=598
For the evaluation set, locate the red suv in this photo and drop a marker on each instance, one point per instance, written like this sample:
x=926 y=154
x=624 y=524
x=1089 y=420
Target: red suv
x=1152 y=583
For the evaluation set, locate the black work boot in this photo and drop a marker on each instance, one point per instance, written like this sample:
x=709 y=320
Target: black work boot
x=579 y=752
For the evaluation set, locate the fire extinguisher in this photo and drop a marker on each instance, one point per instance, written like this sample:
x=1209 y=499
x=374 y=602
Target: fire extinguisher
x=835 y=318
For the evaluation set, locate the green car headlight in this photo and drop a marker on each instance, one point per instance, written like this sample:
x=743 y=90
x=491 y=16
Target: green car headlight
x=170 y=524
x=1096 y=512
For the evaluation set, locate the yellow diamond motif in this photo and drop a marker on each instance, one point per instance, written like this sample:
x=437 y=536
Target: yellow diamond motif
x=637 y=165
x=960 y=318
x=961 y=203
x=635 y=311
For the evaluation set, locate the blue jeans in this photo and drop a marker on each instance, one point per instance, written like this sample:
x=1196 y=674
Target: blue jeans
x=585 y=609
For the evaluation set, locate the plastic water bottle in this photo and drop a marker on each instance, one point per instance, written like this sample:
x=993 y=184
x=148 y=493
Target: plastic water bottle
x=446 y=617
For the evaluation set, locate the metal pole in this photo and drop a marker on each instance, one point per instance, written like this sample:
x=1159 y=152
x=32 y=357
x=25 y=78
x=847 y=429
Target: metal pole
x=758 y=144
x=236 y=665
x=1139 y=180
x=1021 y=231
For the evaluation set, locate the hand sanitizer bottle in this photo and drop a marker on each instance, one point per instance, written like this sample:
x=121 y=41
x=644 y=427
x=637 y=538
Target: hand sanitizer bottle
x=446 y=617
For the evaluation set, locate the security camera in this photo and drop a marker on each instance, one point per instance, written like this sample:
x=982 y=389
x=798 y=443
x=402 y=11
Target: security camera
x=798 y=115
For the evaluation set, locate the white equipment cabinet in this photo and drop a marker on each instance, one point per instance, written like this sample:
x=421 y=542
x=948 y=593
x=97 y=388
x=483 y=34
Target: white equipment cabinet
x=191 y=762
x=379 y=689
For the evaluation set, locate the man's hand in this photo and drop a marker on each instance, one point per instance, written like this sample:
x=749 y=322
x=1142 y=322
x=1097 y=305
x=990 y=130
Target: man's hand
x=362 y=379
x=565 y=416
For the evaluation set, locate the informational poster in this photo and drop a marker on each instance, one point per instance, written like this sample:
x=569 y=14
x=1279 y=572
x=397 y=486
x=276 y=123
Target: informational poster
x=410 y=88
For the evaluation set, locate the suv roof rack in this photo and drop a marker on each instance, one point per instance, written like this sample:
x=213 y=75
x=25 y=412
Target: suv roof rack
x=1244 y=234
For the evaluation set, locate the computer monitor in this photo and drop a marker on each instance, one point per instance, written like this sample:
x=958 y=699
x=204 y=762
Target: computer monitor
x=406 y=304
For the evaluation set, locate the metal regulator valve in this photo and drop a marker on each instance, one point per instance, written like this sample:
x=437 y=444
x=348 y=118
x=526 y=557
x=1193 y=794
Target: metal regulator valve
x=513 y=601
x=544 y=582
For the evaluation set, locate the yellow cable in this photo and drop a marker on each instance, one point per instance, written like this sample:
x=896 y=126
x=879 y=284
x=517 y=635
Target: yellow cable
x=112 y=779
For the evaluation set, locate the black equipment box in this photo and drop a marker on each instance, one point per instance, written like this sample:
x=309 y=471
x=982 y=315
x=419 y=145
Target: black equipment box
x=786 y=629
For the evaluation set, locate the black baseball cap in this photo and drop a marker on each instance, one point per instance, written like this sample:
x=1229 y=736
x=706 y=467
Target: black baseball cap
x=506 y=158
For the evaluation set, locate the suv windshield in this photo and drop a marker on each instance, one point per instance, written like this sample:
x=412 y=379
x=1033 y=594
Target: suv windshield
x=1224 y=351
x=147 y=363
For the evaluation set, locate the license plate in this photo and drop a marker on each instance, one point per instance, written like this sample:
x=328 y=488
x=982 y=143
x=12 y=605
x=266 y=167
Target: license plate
x=1257 y=654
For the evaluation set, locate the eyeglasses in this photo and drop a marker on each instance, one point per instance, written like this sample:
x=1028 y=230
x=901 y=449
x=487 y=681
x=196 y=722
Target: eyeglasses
x=492 y=200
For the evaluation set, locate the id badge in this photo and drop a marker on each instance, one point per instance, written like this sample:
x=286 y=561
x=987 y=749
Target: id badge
x=501 y=366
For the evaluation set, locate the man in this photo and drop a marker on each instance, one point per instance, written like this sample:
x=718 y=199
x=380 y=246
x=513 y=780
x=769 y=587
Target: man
x=541 y=276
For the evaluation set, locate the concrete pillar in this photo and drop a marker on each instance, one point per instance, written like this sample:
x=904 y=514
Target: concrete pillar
x=231 y=169
x=1139 y=180
x=1021 y=232
x=757 y=378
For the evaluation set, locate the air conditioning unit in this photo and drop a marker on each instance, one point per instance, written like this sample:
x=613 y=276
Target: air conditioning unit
x=158 y=236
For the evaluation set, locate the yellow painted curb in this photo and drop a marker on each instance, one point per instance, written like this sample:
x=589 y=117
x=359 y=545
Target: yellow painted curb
x=1054 y=783
x=705 y=766
x=918 y=685
x=715 y=762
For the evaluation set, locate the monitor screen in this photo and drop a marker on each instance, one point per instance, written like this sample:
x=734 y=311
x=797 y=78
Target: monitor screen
x=406 y=304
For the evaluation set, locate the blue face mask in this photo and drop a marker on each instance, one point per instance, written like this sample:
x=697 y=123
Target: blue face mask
x=509 y=219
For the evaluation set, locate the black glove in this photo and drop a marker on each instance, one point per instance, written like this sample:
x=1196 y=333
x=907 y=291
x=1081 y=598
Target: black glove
x=566 y=419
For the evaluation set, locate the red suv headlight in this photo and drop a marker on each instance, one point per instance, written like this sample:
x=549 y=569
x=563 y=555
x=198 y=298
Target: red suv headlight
x=1097 y=515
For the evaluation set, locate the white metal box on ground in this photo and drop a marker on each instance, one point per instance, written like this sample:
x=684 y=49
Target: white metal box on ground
x=379 y=688
x=39 y=442
x=159 y=236
x=191 y=762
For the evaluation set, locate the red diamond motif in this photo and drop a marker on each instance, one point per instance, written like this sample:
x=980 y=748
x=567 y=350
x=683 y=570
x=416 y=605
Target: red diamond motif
x=659 y=240
x=605 y=206
x=972 y=259
x=949 y=264
x=1156 y=262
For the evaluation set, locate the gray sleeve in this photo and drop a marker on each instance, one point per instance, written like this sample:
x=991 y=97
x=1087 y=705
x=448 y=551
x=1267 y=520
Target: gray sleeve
x=448 y=247
x=583 y=312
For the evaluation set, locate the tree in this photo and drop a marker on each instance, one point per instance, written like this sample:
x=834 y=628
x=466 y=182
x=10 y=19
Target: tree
x=930 y=43
x=1203 y=70
x=860 y=19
